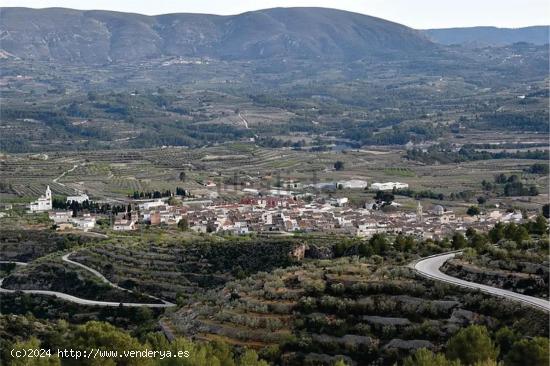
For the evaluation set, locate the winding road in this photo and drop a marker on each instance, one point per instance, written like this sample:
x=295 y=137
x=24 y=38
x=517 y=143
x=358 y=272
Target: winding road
x=82 y=301
x=429 y=267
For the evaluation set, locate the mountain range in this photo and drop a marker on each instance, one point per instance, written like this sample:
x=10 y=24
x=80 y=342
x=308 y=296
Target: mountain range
x=489 y=36
x=104 y=36
x=99 y=37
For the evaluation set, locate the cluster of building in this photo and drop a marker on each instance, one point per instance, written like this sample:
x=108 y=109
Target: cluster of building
x=44 y=202
x=64 y=220
x=288 y=215
x=282 y=214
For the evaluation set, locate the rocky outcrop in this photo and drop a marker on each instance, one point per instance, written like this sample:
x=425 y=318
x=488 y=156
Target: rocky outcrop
x=410 y=345
x=319 y=252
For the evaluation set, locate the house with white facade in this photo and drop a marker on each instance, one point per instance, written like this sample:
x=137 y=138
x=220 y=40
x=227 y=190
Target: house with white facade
x=388 y=186
x=151 y=204
x=83 y=223
x=79 y=198
x=369 y=228
x=60 y=217
x=352 y=184
x=124 y=225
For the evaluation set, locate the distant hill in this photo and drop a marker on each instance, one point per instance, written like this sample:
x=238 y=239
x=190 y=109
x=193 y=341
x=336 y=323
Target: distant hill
x=489 y=36
x=67 y=35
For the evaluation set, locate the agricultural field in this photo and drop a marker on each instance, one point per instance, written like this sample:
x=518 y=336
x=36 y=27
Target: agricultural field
x=176 y=269
x=115 y=175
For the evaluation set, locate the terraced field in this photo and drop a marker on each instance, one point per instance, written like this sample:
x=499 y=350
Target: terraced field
x=178 y=269
x=28 y=245
x=348 y=308
x=51 y=274
x=28 y=177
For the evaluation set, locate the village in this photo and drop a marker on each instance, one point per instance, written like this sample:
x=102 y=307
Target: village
x=277 y=211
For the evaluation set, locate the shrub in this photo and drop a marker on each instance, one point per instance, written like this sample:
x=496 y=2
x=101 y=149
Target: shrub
x=533 y=352
x=471 y=345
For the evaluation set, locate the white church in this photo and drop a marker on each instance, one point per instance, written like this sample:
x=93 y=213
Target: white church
x=43 y=203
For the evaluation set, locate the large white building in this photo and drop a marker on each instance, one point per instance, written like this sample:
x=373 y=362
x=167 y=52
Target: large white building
x=43 y=203
x=388 y=186
x=352 y=184
x=151 y=204
x=80 y=198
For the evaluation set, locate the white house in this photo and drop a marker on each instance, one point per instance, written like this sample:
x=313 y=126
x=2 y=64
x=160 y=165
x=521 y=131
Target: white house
x=124 y=225
x=83 y=223
x=341 y=201
x=370 y=228
x=80 y=198
x=352 y=184
x=60 y=217
x=43 y=203
x=388 y=186
x=151 y=204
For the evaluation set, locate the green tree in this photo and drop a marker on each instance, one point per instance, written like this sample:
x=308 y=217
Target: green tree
x=425 y=357
x=250 y=358
x=101 y=335
x=340 y=362
x=143 y=314
x=339 y=165
x=469 y=254
x=497 y=232
x=532 y=352
x=539 y=168
x=472 y=344
x=540 y=226
x=533 y=191
x=183 y=224
x=520 y=234
x=479 y=242
x=505 y=338
x=546 y=210
x=473 y=211
x=379 y=243
x=459 y=241
x=9 y=267
x=33 y=343
x=487 y=363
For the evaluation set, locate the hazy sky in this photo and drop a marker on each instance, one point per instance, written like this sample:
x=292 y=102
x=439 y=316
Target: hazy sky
x=414 y=13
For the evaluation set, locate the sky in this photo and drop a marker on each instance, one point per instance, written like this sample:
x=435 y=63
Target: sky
x=420 y=14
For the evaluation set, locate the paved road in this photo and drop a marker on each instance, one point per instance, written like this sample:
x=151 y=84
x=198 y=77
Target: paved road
x=81 y=301
x=429 y=267
x=16 y=263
